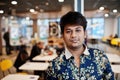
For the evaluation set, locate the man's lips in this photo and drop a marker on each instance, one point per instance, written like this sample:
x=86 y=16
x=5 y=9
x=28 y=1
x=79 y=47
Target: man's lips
x=73 y=41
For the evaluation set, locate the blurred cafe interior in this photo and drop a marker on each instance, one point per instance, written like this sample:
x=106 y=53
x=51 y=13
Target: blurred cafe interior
x=35 y=23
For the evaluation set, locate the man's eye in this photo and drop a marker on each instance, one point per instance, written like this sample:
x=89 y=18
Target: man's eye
x=68 y=31
x=78 y=30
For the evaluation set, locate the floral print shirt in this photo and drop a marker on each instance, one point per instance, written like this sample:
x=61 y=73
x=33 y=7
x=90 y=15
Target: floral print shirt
x=94 y=65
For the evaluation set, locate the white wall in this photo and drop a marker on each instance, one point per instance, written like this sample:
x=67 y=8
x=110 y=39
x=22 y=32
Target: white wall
x=110 y=26
x=115 y=26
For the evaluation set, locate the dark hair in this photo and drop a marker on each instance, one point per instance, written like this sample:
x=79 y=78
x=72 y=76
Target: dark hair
x=72 y=18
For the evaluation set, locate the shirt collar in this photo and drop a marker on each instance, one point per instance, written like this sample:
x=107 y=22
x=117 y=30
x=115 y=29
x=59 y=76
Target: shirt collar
x=68 y=53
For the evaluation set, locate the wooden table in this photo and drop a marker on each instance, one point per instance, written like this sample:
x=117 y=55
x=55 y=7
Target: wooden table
x=20 y=77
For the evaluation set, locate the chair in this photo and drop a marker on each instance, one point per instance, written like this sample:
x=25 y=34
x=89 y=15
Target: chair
x=1 y=74
x=6 y=64
x=6 y=67
x=115 y=41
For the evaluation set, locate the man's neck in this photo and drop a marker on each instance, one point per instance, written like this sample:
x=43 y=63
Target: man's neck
x=77 y=52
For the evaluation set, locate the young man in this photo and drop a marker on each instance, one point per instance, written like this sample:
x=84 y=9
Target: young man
x=78 y=62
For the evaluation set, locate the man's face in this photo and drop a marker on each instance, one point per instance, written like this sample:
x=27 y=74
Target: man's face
x=74 y=36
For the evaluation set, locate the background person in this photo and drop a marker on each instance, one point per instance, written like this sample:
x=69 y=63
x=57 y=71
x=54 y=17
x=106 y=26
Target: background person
x=6 y=37
x=21 y=58
x=116 y=36
x=78 y=62
x=36 y=50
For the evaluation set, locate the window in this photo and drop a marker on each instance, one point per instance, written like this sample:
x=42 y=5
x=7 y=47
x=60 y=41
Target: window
x=95 y=27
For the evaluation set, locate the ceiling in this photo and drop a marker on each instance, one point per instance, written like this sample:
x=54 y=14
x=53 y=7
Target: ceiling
x=91 y=7
x=108 y=4
x=24 y=6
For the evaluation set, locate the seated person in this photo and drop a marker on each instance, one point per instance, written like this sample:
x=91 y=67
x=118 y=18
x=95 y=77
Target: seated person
x=36 y=50
x=116 y=36
x=21 y=58
x=48 y=50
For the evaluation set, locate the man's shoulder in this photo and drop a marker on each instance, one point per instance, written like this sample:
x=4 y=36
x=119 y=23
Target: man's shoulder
x=95 y=52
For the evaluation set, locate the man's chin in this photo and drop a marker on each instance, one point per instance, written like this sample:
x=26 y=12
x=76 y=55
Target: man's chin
x=75 y=47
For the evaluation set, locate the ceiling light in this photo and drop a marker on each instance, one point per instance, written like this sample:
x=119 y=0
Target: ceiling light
x=11 y=17
x=46 y=3
x=106 y=15
x=115 y=10
x=36 y=7
x=1 y=11
x=14 y=2
x=27 y=18
x=41 y=10
x=101 y=8
x=61 y=0
x=32 y=10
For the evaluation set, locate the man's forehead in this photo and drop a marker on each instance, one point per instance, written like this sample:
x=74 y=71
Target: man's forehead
x=73 y=27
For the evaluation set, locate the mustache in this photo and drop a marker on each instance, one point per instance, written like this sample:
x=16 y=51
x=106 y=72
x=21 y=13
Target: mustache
x=74 y=39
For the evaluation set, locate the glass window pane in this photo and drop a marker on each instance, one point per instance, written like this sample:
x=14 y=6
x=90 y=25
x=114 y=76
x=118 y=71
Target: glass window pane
x=95 y=27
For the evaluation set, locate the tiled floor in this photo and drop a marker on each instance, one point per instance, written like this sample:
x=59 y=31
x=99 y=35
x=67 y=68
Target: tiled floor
x=105 y=47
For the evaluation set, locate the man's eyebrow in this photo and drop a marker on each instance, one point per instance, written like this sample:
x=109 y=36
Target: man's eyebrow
x=67 y=29
x=78 y=28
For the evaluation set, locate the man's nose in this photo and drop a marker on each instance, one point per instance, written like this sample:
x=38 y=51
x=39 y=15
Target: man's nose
x=73 y=34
